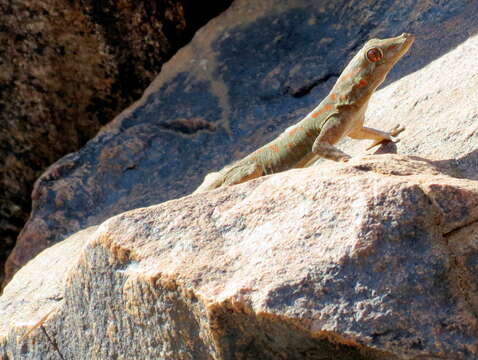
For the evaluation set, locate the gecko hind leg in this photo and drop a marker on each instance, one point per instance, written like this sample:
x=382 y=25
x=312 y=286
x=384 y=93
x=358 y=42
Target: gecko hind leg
x=232 y=175
x=211 y=181
x=242 y=173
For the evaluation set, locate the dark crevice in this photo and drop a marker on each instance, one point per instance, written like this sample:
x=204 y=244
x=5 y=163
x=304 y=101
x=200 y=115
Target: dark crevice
x=52 y=342
x=376 y=335
x=458 y=228
x=307 y=88
x=189 y=126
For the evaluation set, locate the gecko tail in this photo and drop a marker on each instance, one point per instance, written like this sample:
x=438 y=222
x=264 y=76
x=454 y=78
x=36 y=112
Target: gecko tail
x=233 y=174
x=211 y=181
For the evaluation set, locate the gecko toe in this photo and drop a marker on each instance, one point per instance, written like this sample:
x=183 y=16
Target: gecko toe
x=397 y=130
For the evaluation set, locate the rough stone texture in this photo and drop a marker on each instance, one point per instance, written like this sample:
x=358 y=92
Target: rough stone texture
x=245 y=77
x=374 y=259
x=68 y=67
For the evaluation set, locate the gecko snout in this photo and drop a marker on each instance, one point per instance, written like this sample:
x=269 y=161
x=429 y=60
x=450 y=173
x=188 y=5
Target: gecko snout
x=409 y=37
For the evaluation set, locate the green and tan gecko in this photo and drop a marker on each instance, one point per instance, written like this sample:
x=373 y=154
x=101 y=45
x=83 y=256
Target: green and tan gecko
x=340 y=114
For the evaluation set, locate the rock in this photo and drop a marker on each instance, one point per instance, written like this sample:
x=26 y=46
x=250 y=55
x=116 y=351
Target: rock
x=374 y=259
x=245 y=77
x=66 y=69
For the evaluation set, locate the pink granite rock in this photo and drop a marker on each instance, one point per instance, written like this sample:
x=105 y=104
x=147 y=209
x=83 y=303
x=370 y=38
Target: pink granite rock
x=373 y=259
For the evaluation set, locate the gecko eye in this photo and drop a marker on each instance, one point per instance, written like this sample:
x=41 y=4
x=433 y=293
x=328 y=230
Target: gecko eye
x=374 y=55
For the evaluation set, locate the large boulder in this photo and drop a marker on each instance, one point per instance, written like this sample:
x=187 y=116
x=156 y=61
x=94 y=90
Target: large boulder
x=66 y=69
x=374 y=259
x=246 y=76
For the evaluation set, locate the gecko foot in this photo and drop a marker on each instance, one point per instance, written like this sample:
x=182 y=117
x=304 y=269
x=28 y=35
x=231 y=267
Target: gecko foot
x=397 y=129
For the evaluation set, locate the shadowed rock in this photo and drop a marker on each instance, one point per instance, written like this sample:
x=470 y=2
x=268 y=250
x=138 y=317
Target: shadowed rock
x=66 y=69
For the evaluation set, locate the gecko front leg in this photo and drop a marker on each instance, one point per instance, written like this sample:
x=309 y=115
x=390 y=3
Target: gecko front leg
x=377 y=135
x=333 y=130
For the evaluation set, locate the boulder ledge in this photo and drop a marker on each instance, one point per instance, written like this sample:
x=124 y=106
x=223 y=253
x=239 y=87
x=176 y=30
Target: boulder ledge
x=373 y=259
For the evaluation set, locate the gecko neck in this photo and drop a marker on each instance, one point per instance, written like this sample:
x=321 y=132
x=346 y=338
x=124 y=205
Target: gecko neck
x=355 y=93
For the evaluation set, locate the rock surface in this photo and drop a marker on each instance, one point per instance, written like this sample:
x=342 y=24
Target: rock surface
x=245 y=77
x=374 y=259
x=67 y=68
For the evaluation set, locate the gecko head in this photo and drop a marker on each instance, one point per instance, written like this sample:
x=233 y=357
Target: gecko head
x=387 y=51
x=378 y=56
x=369 y=67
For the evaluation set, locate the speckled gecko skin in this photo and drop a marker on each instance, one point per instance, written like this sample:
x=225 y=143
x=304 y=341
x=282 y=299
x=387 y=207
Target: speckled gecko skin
x=340 y=114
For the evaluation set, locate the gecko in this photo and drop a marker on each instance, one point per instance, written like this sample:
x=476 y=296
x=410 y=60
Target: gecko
x=341 y=113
